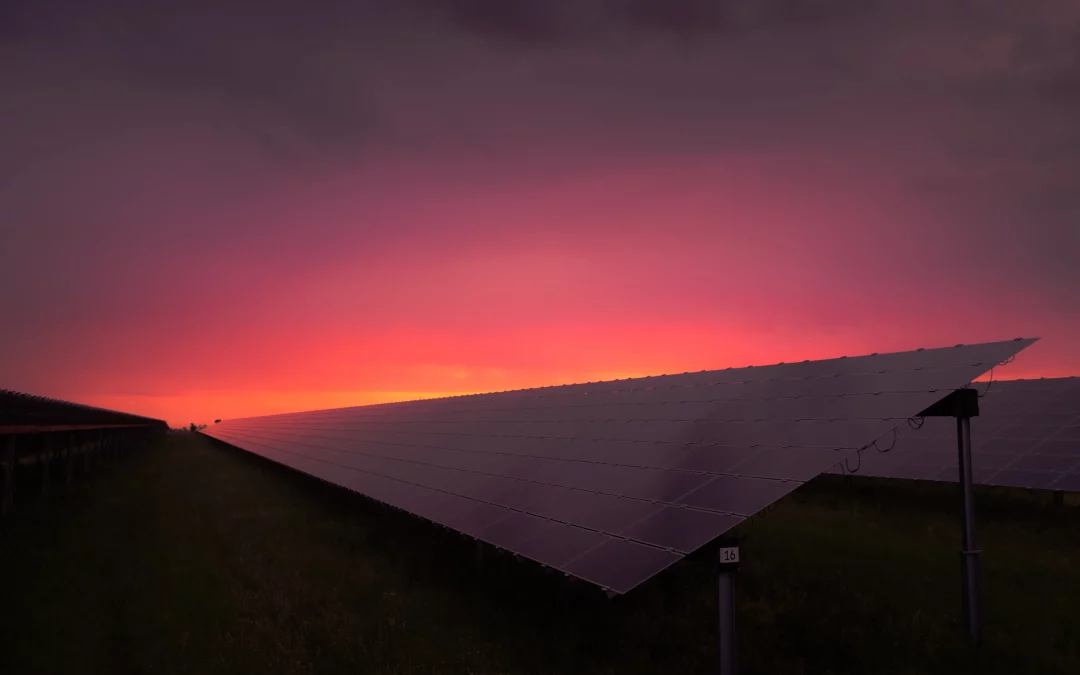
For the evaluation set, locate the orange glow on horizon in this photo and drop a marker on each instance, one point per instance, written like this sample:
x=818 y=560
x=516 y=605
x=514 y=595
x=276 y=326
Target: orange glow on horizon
x=432 y=211
x=204 y=406
x=643 y=269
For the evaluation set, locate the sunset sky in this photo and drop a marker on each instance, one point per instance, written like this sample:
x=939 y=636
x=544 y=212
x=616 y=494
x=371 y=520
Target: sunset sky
x=218 y=209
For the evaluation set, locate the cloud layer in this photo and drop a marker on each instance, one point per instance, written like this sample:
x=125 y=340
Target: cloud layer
x=205 y=198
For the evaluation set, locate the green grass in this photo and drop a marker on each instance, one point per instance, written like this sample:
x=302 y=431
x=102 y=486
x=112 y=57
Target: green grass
x=194 y=558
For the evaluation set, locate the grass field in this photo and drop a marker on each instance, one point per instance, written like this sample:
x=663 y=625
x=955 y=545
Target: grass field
x=195 y=558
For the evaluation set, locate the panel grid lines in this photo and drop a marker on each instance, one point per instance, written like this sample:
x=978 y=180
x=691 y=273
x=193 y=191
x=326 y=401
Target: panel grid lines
x=613 y=482
x=543 y=457
x=598 y=439
x=565 y=390
x=1029 y=451
x=479 y=501
x=1027 y=435
x=514 y=478
x=339 y=412
x=630 y=421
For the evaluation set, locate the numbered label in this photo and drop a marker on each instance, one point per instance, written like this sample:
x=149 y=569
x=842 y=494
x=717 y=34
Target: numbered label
x=729 y=554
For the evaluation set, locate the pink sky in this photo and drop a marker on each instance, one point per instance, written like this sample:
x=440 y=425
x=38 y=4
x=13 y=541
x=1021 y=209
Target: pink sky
x=313 y=209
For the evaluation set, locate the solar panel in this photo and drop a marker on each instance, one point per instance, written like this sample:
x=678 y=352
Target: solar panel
x=29 y=414
x=1027 y=435
x=612 y=482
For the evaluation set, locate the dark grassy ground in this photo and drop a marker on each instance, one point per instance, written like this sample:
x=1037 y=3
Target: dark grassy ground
x=192 y=558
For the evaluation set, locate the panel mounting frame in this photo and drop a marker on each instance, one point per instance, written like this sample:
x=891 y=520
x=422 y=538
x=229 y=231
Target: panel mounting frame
x=960 y=403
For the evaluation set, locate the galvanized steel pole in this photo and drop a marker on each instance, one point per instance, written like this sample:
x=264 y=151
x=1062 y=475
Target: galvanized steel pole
x=70 y=456
x=44 y=459
x=969 y=554
x=727 y=566
x=9 y=477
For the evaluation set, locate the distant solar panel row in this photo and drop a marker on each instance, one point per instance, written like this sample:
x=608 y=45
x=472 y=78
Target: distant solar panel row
x=27 y=413
x=612 y=482
x=1027 y=435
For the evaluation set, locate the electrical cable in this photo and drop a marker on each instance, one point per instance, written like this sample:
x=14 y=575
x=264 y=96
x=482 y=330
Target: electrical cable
x=990 y=382
x=895 y=435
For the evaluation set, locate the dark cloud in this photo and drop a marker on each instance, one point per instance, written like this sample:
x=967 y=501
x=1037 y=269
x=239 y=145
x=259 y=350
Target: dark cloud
x=323 y=78
x=1050 y=75
x=336 y=81
x=1063 y=149
x=554 y=22
x=685 y=18
x=1062 y=86
x=530 y=22
x=18 y=20
x=808 y=12
x=876 y=143
x=281 y=94
x=271 y=70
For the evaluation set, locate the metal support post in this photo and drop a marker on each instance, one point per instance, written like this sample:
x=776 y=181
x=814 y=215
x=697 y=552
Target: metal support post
x=968 y=553
x=46 y=447
x=9 y=477
x=963 y=404
x=727 y=566
x=70 y=456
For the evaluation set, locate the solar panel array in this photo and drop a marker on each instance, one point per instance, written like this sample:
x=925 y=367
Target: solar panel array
x=1027 y=435
x=612 y=482
x=21 y=413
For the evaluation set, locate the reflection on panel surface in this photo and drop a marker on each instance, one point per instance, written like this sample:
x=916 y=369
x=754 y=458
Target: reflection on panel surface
x=614 y=481
x=1027 y=435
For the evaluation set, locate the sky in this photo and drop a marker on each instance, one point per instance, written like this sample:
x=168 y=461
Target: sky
x=220 y=209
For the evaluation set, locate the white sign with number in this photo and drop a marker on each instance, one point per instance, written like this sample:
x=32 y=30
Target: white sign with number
x=729 y=554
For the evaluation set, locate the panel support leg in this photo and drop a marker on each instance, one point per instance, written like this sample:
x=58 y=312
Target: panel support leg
x=45 y=461
x=727 y=566
x=969 y=555
x=9 y=478
x=70 y=456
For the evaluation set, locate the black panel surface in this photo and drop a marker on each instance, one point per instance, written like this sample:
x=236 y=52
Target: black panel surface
x=1026 y=435
x=614 y=481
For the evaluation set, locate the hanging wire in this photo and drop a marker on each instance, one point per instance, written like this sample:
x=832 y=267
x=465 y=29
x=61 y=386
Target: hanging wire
x=847 y=463
x=895 y=435
x=990 y=382
x=913 y=422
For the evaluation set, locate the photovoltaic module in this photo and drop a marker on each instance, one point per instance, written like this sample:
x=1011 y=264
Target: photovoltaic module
x=612 y=482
